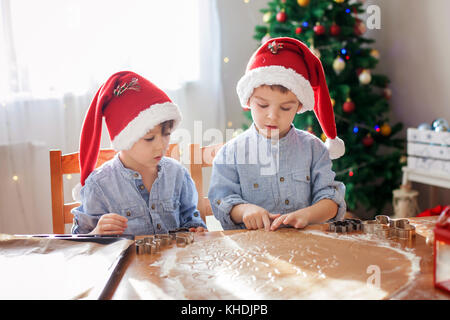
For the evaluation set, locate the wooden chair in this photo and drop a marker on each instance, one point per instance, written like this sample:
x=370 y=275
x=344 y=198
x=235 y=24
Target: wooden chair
x=69 y=164
x=202 y=157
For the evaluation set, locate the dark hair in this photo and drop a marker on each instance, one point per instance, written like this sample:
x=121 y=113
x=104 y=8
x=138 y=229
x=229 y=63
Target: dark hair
x=277 y=87
x=166 y=126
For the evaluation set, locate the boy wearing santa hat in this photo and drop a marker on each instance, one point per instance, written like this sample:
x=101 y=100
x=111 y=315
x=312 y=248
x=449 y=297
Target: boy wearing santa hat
x=139 y=191
x=273 y=174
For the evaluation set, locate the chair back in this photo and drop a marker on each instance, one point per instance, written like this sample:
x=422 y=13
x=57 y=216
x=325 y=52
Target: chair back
x=202 y=157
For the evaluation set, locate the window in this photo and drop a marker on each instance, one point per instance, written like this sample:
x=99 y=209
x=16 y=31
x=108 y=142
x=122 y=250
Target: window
x=54 y=47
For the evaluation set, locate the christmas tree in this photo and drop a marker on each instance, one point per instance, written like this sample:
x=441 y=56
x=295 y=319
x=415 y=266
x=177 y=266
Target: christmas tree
x=371 y=166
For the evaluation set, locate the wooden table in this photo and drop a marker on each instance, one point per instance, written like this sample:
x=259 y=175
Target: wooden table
x=137 y=281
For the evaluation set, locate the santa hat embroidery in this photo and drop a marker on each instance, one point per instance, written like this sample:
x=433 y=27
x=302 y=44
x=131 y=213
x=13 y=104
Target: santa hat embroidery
x=290 y=63
x=131 y=106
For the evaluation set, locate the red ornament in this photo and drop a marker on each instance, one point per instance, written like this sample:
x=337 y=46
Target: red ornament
x=367 y=140
x=335 y=30
x=281 y=16
x=298 y=30
x=319 y=29
x=348 y=106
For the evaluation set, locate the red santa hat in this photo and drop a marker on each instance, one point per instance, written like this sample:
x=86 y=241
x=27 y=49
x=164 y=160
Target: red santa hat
x=290 y=63
x=131 y=106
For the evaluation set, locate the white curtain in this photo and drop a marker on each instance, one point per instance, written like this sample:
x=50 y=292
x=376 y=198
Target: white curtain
x=54 y=56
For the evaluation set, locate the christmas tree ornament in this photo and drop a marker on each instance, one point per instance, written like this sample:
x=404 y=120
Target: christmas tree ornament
x=348 y=106
x=319 y=29
x=386 y=130
x=339 y=1
x=267 y=16
x=359 y=27
x=281 y=16
x=375 y=53
x=338 y=65
x=298 y=30
x=387 y=93
x=333 y=102
x=368 y=140
x=441 y=128
x=440 y=124
x=424 y=126
x=323 y=136
x=335 y=30
x=310 y=130
x=303 y=3
x=365 y=77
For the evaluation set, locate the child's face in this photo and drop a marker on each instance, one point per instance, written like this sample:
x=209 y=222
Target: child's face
x=148 y=151
x=273 y=111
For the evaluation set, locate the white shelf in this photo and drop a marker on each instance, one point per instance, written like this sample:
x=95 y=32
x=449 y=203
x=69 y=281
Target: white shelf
x=427 y=177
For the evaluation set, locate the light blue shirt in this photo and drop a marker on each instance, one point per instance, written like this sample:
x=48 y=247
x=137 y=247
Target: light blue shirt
x=280 y=176
x=112 y=188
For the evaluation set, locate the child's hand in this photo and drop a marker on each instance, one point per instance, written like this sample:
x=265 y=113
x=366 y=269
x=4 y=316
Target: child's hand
x=297 y=219
x=198 y=229
x=256 y=217
x=110 y=223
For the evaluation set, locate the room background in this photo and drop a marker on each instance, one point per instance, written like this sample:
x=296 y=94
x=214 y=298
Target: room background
x=412 y=44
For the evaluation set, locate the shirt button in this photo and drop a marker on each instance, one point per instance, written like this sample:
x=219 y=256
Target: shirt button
x=218 y=201
x=158 y=226
x=286 y=201
x=136 y=175
x=142 y=187
x=307 y=178
x=128 y=213
x=281 y=179
x=255 y=185
x=196 y=214
x=153 y=206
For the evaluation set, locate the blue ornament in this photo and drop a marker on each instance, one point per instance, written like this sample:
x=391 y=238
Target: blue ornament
x=440 y=123
x=424 y=126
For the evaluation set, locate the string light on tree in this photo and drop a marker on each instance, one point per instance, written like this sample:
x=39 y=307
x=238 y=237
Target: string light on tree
x=375 y=54
x=387 y=93
x=267 y=16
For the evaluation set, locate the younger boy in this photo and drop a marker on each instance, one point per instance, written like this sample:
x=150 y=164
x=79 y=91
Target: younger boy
x=274 y=174
x=139 y=191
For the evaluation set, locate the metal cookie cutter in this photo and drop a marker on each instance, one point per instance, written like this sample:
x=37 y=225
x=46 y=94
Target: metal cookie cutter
x=347 y=225
x=385 y=227
x=184 y=238
x=402 y=229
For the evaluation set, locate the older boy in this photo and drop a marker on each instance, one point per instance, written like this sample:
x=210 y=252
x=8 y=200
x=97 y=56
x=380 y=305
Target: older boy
x=274 y=174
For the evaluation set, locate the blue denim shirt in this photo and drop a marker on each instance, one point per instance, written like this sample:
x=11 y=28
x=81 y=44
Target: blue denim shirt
x=112 y=188
x=280 y=176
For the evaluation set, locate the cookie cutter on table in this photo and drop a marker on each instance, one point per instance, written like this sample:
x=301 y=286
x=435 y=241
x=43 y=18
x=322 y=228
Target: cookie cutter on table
x=386 y=227
x=153 y=244
x=346 y=225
